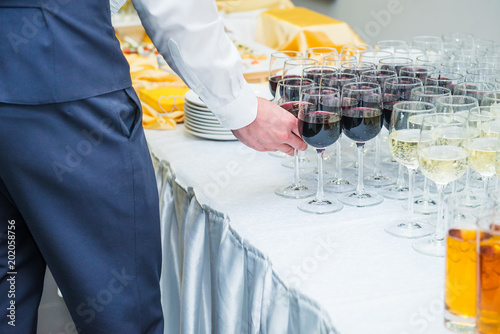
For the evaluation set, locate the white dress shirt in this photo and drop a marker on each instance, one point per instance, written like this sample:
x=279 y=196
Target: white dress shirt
x=190 y=36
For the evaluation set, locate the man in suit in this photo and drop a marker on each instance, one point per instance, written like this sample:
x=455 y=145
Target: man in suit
x=77 y=188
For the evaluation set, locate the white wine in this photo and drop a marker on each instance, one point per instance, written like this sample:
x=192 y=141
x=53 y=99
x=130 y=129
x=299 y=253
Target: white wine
x=483 y=155
x=490 y=129
x=443 y=163
x=403 y=144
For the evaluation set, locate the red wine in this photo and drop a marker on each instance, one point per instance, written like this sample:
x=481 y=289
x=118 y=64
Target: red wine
x=387 y=105
x=318 y=73
x=291 y=107
x=361 y=124
x=320 y=129
x=273 y=82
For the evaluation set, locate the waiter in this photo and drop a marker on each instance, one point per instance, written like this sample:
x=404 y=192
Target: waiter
x=77 y=188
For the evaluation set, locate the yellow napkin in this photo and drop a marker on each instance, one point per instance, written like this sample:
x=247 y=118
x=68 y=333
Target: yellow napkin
x=299 y=28
x=231 y=6
x=163 y=107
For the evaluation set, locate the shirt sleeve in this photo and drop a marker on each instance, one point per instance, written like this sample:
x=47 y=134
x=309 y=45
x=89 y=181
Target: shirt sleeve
x=190 y=36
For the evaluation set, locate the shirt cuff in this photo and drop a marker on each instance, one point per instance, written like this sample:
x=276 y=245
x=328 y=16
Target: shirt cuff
x=240 y=112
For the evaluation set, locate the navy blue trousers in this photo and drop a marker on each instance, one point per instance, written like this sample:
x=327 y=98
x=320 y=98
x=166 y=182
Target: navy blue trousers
x=78 y=193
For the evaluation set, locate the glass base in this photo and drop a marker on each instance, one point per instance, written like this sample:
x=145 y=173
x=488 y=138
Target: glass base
x=295 y=191
x=378 y=180
x=339 y=185
x=361 y=199
x=279 y=154
x=304 y=162
x=459 y=324
x=395 y=192
x=424 y=206
x=409 y=229
x=320 y=206
x=430 y=246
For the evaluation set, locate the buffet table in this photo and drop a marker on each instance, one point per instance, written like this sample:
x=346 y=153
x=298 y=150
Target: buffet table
x=239 y=259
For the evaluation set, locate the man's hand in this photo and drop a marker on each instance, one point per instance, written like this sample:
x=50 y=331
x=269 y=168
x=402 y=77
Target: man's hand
x=274 y=129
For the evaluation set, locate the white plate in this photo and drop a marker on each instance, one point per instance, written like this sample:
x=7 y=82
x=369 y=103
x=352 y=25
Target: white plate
x=205 y=129
x=211 y=136
x=192 y=98
x=202 y=122
x=201 y=115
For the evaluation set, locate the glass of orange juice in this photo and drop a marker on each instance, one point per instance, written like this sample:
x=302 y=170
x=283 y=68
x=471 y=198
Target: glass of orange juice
x=461 y=263
x=488 y=278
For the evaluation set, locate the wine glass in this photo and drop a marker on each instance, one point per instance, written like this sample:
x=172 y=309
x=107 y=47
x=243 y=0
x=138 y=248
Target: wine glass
x=418 y=71
x=361 y=121
x=394 y=63
x=355 y=49
x=492 y=99
x=294 y=67
x=338 y=183
x=320 y=126
x=482 y=74
x=456 y=66
x=425 y=204
x=319 y=53
x=288 y=97
x=473 y=89
x=377 y=178
x=318 y=72
x=390 y=45
x=276 y=63
x=430 y=60
x=373 y=56
x=403 y=137
x=411 y=53
x=337 y=60
x=482 y=146
x=442 y=157
x=444 y=79
x=397 y=90
x=356 y=68
x=431 y=44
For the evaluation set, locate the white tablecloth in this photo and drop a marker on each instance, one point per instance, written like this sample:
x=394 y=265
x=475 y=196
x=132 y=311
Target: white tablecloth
x=366 y=280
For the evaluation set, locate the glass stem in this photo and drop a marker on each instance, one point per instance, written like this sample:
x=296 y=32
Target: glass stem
x=319 y=190
x=486 y=181
x=411 y=184
x=296 y=167
x=439 y=233
x=360 y=188
x=338 y=158
x=377 y=156
x=467 y=181
x=427 y=189
x=401 y=178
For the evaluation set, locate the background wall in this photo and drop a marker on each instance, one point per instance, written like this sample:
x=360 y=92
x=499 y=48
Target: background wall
x=375 y=20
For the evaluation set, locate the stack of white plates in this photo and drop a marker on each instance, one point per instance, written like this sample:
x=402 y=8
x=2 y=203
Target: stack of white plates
x=201 y=122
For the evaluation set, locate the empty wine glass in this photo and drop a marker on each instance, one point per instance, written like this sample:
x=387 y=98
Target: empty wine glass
x=404 y=134
x=373 y=56
x=288 y=97
x=361 y=121
x=442 y=157
x=481 y=74
x=431 y=44
x=431 y=60
x=320 y=126
x=319 y=53
x=355 y=49
x=337 y=60
x=390 y=45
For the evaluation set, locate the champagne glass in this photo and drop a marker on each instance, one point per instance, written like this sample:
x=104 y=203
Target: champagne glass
x=319 y=126
x=442 y=157
x=276 y=63
x=377 y=178
x=397 y=90
x=425 y=204
x=361 y=121
x=338 y=183
x=288 y=97
x=319 y=53
x=294 y=67
x=482 y=147
x=403 y=137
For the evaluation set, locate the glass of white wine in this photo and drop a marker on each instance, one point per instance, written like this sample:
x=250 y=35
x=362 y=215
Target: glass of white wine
x=482 y=145
x=404 y=137
x=442 y=157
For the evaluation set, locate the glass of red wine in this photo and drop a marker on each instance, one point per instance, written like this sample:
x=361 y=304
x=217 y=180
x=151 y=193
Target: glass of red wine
x=338 y=183
x=474 y=89
x=318 y=72
x=377 y=178
x=362 y=119
x=288 y=97
x=356 y=68
x=320 y=126
x=394 y=63
x=418 y=71
x=276 y=63
x=444 y=79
